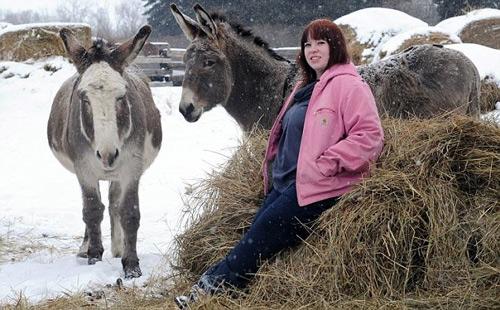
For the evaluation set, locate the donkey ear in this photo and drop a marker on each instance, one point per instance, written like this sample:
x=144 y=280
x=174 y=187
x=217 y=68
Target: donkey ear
x=74 y=49
x=125 y=54
x=190 y=27
x=205 y=20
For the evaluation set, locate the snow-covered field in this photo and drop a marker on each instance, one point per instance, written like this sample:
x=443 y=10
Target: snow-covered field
x=41 y=217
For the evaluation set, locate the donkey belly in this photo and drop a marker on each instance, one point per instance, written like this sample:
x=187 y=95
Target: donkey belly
x=150 y=151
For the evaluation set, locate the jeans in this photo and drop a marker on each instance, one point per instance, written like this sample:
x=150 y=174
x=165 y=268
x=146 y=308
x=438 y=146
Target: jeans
x=279 y=224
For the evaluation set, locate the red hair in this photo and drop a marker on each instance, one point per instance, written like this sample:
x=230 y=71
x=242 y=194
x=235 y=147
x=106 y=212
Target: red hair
x=323 y=29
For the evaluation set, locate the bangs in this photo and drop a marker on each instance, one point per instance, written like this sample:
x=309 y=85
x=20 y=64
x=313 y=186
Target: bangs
x=319 y=30
x=323 y=29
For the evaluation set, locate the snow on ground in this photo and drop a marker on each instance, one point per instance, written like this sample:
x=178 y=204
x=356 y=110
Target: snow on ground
x=4 y=25
x=41 y=220
x=457 y=23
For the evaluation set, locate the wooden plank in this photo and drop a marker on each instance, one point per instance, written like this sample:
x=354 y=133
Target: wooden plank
x=151 y=59
x=150 y=65
x=177 y=54
x=289 y=53
x=177 y=65
x=161 y=69
x=156 y=72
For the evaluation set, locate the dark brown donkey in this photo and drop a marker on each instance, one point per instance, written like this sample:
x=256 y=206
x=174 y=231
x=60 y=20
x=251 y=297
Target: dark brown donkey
x=227 y=65
x=104 y=125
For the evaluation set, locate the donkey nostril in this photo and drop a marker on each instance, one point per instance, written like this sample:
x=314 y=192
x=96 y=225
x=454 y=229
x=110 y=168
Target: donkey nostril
x=186 y=110
x=98 y=155
x=117 y=153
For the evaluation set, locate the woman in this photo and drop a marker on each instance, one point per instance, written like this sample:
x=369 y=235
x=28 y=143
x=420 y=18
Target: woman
x=323 y=141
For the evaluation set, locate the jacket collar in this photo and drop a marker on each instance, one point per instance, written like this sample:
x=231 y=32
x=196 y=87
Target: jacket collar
x=336 y=70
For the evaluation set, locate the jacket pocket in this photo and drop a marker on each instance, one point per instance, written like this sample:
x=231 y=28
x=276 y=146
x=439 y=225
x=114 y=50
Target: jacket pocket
x=324 y=117
x=326 y=167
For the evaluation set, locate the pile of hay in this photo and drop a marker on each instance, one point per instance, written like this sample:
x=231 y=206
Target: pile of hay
x=222 y=207
x=363 y=37
x=478 y=26
x=35 y=41
x=490 y=94
x=485 y=32
x=354 y=46
x=423 y=231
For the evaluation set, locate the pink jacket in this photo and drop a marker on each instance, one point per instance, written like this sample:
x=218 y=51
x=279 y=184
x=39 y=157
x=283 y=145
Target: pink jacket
x=342 y=135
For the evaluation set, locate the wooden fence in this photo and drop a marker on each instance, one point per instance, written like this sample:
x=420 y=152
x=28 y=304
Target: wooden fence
x=168 y=69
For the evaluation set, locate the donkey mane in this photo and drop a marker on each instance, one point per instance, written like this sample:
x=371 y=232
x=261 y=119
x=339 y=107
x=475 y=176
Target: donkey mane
x=101 y=50
x=247 y=33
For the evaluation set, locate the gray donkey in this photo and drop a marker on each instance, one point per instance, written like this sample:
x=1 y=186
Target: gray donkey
x=104 y=125
x=227 y=65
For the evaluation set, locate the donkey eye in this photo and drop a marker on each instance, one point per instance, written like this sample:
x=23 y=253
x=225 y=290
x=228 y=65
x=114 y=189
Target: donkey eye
x=208 y=63
x=121 y=102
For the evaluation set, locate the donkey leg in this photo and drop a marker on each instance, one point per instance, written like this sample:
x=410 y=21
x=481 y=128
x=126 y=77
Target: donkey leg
x=130 y=217
x=82 y=251
x=93 y=211
x=114 y=216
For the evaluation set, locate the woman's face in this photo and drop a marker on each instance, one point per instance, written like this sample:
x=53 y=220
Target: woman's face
x=317 y=54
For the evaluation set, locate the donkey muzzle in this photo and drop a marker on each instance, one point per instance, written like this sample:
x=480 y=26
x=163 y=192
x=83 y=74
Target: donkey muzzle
x=189 y=112
x=107 y=159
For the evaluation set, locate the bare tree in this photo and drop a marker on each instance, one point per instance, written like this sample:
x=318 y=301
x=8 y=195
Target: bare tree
x=425 y=10
x=85 y=12
x=101 y=24
x=24 y=17
x=129 y=17
x=73 y=11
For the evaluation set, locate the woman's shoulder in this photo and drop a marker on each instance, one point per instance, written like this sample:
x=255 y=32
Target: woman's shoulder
x=345 y=82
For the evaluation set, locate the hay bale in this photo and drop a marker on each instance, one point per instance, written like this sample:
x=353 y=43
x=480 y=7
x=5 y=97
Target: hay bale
x=35 y=41
x=404 y=40
x=363 y=37
x=222 y=206
x=422 y=231
x=354 y=46
x=490 y=94
x=478 y=26
x=485 y=32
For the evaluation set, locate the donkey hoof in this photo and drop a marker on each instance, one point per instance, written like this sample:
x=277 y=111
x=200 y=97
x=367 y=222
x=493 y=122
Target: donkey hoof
x=93 y=260
x=132 y=272
x=82 y=254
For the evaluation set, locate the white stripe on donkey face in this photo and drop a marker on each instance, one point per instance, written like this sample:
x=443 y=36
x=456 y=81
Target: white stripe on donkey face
x=104 y=125
x=102 y=91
